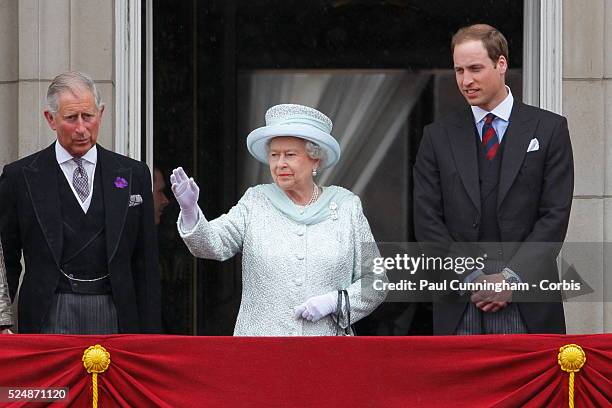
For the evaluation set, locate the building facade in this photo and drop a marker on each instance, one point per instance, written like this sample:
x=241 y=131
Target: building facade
x=565 y=68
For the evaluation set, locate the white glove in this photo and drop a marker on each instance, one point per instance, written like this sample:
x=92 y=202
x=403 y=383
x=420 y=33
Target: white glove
x=187 y=193
x=317 y=307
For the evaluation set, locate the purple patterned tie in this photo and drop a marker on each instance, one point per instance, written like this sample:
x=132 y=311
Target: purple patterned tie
x=489 y=137
x=80 y=180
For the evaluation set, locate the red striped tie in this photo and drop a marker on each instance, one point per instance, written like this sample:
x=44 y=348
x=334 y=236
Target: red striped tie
x=489 y=137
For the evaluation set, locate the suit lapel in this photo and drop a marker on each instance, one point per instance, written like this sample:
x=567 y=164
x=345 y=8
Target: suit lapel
x=116 y=198
x=466 y=156
x=520 y=131
x=41 y=180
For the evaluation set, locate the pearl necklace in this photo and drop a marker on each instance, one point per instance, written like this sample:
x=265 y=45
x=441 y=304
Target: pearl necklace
x=315 y=195
x=313 y=198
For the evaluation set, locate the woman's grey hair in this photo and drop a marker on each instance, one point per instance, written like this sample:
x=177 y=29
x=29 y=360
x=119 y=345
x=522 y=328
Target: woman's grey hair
x=72 y=82
x=313 y=151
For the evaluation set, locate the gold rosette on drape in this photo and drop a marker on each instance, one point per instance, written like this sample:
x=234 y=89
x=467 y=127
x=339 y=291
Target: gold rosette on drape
x=96 y=361
x=571 y=358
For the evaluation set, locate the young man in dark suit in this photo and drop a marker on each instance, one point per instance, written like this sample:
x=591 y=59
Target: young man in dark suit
x=498 y=174
x=82 y=217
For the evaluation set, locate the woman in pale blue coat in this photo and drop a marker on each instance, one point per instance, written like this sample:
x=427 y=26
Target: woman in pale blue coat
x=301 y=243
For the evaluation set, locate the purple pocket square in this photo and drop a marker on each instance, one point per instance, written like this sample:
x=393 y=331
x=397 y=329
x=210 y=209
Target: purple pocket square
x=120 y=182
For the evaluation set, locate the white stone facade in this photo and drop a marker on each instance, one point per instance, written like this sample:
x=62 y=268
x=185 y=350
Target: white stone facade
x=38 y=40
x=587 y=104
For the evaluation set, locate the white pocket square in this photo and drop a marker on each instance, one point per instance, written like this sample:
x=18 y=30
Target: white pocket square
x=534 y=145
x=135 y=199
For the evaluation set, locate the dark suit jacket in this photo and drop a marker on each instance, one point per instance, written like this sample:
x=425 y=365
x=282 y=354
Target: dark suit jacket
x=533 y=203
x=31 y=222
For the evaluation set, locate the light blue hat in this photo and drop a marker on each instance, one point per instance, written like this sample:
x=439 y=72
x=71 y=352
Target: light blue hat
x=298 y=121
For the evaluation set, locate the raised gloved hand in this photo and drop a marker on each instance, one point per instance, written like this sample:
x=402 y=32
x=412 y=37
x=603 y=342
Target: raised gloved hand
x=317 y=307
x=187 y=193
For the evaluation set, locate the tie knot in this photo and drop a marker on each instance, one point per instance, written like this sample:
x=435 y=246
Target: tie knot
x=78 y=161
x=489 y=118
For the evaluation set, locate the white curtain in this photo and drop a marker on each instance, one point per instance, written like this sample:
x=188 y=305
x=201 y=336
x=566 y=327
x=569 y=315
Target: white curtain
x=369 y=109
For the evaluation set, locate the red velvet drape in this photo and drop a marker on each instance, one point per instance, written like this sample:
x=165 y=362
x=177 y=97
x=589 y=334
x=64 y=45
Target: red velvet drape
x=177 y=371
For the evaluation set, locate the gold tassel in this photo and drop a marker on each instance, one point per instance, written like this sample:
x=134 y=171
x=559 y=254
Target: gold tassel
x=96 y=360
x=571 y=358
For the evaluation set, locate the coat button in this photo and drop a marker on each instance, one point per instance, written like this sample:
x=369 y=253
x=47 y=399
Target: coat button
x=475 y=225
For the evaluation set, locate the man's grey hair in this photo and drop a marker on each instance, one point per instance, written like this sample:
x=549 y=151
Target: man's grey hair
x=313 y=151
x=72 y=81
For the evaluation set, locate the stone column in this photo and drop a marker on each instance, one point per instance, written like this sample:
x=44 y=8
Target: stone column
x=607 y=132
x=584 y=104
x=9 y=80
x=54 y=36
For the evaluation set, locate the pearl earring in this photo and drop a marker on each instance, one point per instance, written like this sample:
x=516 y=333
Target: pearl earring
x=314 y=172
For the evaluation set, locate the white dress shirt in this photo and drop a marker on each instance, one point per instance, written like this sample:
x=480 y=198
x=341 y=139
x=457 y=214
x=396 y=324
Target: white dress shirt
x=502 y=116
x=500 y=124
x=68 y=166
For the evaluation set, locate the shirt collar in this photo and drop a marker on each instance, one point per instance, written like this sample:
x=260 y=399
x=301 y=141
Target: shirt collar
x=501 y=111
x=62 y=155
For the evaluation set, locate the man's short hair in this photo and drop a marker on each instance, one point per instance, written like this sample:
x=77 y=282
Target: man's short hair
x=72 y=81
x=494 y=41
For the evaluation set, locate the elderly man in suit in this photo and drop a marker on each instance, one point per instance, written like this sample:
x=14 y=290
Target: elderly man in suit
x=499 y=172
x=82 y=217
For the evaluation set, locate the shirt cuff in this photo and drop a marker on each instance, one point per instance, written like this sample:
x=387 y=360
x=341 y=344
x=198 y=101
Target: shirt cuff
x=471 y=278
x=514 y=274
